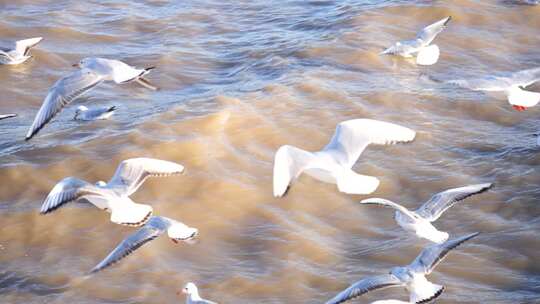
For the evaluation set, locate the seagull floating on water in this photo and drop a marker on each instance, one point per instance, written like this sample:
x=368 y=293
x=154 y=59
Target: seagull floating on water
x=20 y=52
x=84 y=113
x=419 y=221
x=5 y=116
x=156 y=226
x=92 y=72
x=412 y=276
x=193 y=296
x=113 y=196
x=334 y=162
x=420 y=47
x=512 y=84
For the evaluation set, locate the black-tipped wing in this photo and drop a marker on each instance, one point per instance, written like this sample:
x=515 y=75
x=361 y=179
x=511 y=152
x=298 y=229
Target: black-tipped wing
x=431 y=256
x=62 y=93
x=4 y=116
x=364 y=286
x=431 y=31
x=440 y=202
x=67 y=190
x=147 y=233
x=131 y=173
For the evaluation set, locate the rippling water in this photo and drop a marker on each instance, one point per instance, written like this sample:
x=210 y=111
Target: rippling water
x=238 y=80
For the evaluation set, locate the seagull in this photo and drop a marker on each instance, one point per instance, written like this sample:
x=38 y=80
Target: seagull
x=113 y=196
x=419 y=221
x=92 y=72
x=412 y=276
x=156 y=226
x=83 y=113
x=426 y=54
x=20 y=52
x=193 y=295
x=334 y=162
x=5 y=116
x=512 y=84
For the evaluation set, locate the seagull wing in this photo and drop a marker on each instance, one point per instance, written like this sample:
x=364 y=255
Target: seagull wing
x=353 y=136
x=68 y=190
x=431 y=256
x=489 y=83
x=23 y=46
x=387 y=203
x=440 y=202
x=6 y=55
x=61 y=94
x=526 y=77
x=154 y=228
x=289 y=163
x=427 y=34
x=364 y=286
x=132 y=173
x=4 y=116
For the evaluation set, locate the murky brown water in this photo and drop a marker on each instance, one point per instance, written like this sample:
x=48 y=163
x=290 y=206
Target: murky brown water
x=239 y=80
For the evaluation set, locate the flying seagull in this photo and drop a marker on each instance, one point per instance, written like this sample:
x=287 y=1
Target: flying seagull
x=156 y=226
x=420 y=47
x=419 y=221
x=20 y=52
x=113 y=196
x=92 y=72
x=5 y=116
x=193 y=296
x=84 y=113
x=334 y=162
x=412 y=276
x=512 y=84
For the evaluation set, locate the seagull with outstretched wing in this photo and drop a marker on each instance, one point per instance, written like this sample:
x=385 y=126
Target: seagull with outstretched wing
x=512 y=84
x=20 y=52
x=156 y=226
x=419 y=221
x=113 y=196
x=333 y=164
x=92 y=72
x=421 y=47
x=412 y=276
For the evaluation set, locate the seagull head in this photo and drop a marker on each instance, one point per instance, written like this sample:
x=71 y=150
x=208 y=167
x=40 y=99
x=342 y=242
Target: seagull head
x=101 y=184
x=190 y=289
x=85 y=62
x=79 y=110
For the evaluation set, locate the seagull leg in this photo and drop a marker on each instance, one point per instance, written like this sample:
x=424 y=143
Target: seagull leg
x=519 y=108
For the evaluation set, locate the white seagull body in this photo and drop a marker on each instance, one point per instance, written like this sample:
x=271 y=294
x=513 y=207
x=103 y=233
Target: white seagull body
x=92 y=72
x=333 y=164
x=113 y=196
x=420 y=47
x=84 y=113
x=20 y=53
x=193 y=296
x=156 y=226
x=512 y=84
x=419 y=221
x=412 y=276
x=5 y=116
